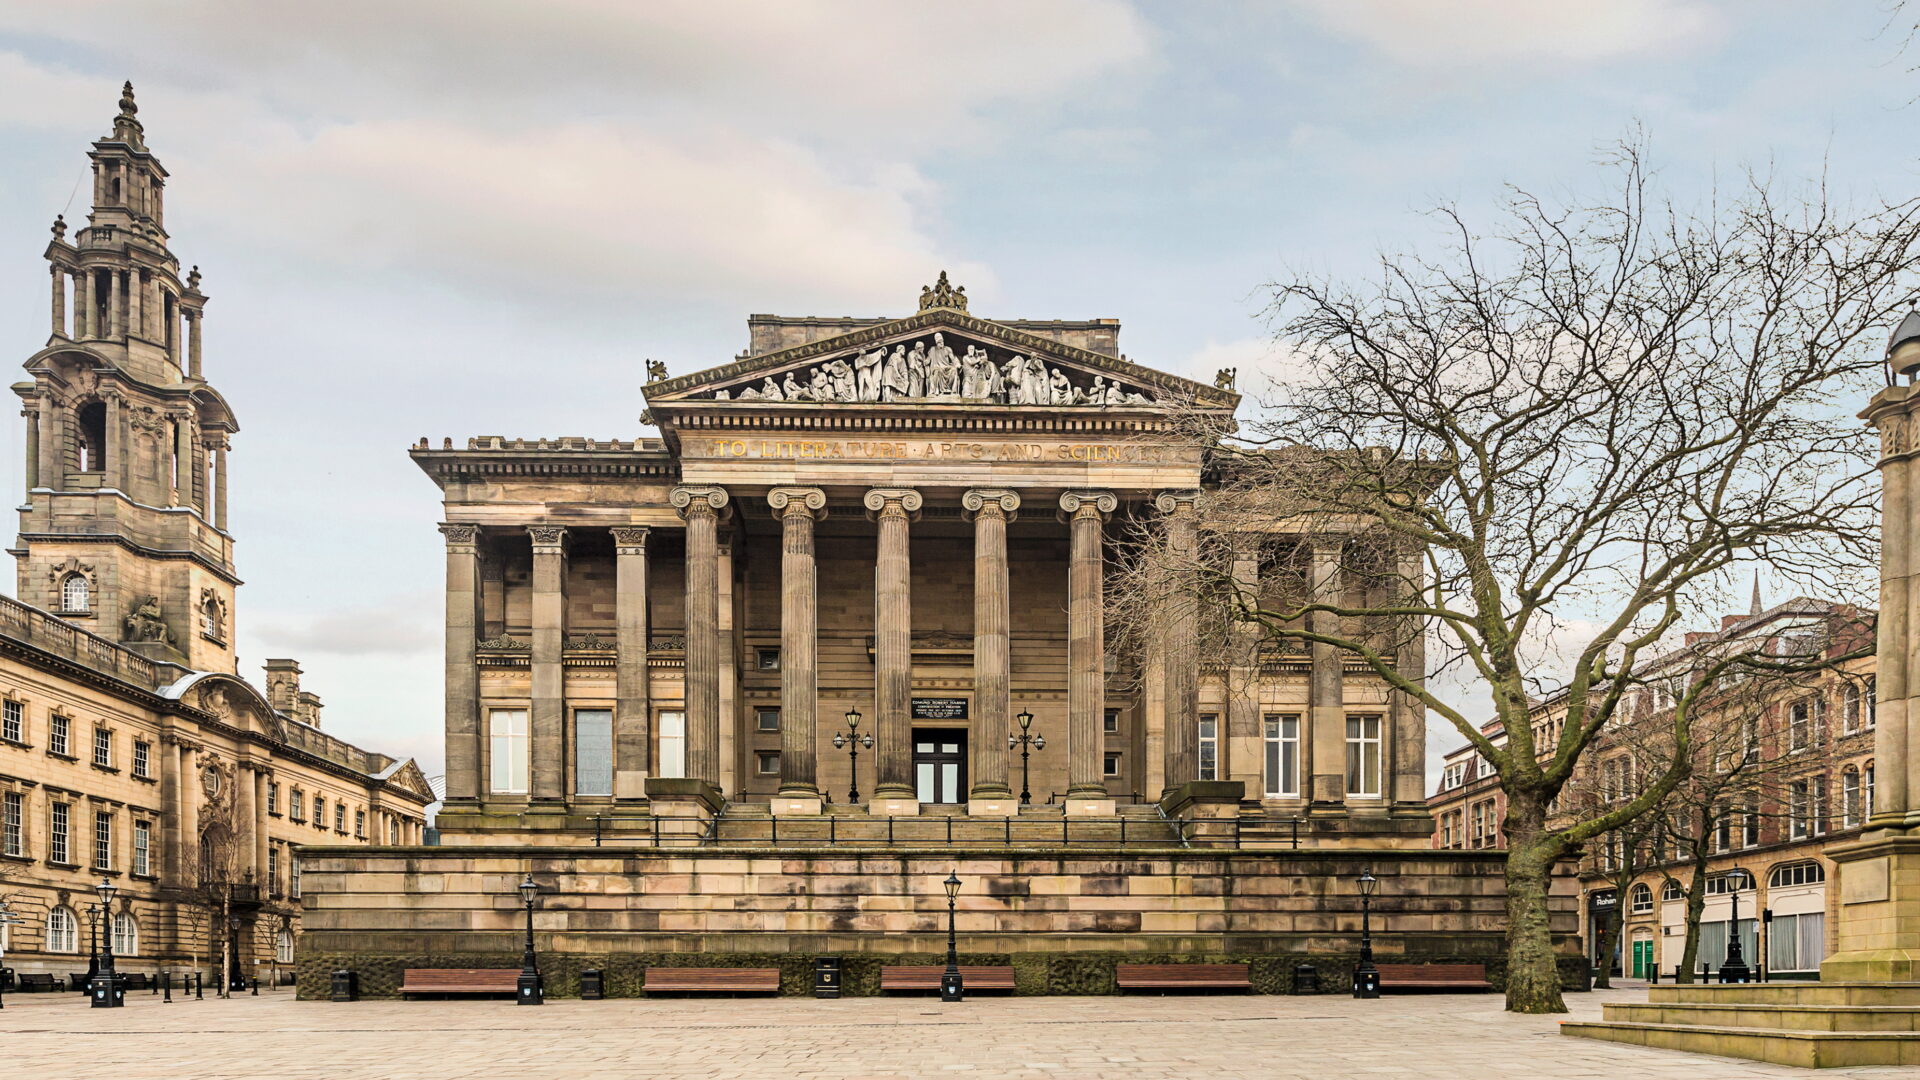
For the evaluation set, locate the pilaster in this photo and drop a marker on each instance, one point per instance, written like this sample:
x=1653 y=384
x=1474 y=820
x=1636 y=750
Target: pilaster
x=549 y=712
x=462 y=670
x=633 y=717
x=1326 y=733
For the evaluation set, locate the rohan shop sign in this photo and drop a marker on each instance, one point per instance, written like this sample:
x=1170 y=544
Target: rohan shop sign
x=931 y=450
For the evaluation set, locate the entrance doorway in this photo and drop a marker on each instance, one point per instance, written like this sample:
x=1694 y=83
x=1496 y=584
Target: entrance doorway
x=940 y=764
x=1642 y=955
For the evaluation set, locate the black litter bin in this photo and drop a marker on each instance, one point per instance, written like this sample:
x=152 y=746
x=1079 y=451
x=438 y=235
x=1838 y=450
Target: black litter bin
x=1306 y=979
x=346 y=986
x=826 y=977
x=593 y=985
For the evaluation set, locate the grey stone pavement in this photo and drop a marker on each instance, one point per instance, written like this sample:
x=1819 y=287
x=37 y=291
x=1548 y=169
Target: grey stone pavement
x=56 y=1036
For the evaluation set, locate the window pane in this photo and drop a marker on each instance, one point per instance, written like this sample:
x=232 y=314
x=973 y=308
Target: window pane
x=593 y=752
x=673 y=744
x=509 y=753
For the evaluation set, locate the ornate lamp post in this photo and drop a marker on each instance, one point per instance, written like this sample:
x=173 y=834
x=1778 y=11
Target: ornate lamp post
x=8 y=919
x=1366 y=977
x=851 y=742
x=950 y=986
x=1735 y=968
x=1022 y=740
x=105 y=985
x=529 y=984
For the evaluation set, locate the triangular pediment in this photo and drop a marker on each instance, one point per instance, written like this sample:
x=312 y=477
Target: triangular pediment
x=938 y=357
x=408 y=777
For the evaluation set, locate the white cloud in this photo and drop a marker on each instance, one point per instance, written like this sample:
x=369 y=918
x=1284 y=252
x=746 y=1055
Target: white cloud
x=1459 y=34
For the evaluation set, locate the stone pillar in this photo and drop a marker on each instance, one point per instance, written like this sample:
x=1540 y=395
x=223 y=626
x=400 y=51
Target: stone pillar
x=894 y=791
x=220 y=485
x=702 y=507
x=116 y=306
x=183 y=459
x=193 y=342
x=32 y=415
x=1179 y=651
x=549 y=714
x=83 y=300
x=136 y=295
x=991 y=509
x=633 y=709
x=246 y=818
x=260 y=827
x=118 y=467
x=53 y=444
x=172 y=825
x=59 y=301
x=1326 y=734
x=463 y=732
x=1408 y=715
x=1085 y=512
x=1240 y=746
x=798 y=509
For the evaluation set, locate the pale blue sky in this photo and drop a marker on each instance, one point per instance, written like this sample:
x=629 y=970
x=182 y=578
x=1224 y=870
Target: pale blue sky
x=480 y=217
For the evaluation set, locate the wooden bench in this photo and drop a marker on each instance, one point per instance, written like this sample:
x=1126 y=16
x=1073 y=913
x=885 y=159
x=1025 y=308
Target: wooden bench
x=460 y=981
x=1182 y=977
x=34 y=982
x=921 y=977
x=1434 y=977
x=713 y=980
x=135 y=980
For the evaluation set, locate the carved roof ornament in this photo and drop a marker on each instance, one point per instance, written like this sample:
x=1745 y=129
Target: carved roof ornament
x=656 y=370
x=942 y=294
x=59 y=227
x=503 y=644
x=1224 y=378
x=126 y=128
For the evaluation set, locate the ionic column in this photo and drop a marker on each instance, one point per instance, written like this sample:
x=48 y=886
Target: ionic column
x=1326 y=708
x=183 y=460
x=136 y=295
x=702 y=507
x=193 y=342
x=53 y=459
x=1085 y=512
x=32 y=415
x=83 y=299
x=220 y=485
x=59 y=301
x=632 y=716
x=463 y=673
x=798 y=509
x=991 y=509
x=116 y=306
x=893 y=509
x=1179 y=649
x=549 y=714
x=1242 y=720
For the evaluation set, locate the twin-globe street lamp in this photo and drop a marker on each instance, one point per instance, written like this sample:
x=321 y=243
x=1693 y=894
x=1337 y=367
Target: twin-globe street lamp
x=950 y=985
x=1022 y=740
x=1366 y=977
x=852 y=742
x=528 y=986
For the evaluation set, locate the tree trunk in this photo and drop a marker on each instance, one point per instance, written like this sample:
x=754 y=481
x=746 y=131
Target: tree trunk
x=1696 y=906
x=1533 y=971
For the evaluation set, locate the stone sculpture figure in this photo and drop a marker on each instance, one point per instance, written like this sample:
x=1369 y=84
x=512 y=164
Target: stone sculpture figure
x=147 y=622
x=917 y=370
x=793 y=390
x=1115 y=396
x=1013 y=376
x=769 y=390
x=943 y=368
x=995 y=386
x=868 y=364
x=842 y=380
x=1062 y=389
x=972 y=378
x=1039 y=387
x=820 y=388
x=896 y=381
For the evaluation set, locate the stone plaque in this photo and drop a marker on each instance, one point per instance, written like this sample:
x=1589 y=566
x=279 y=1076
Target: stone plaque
x=939 y=708
x=1864 y=882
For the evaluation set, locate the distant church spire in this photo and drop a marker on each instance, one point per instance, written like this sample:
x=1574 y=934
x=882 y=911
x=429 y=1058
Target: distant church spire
x=1756 y=609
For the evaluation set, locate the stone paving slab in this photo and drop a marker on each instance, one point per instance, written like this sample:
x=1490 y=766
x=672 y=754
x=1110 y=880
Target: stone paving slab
x=1221 y=1037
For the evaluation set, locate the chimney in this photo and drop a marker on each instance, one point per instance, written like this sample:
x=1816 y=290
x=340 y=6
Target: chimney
x=1728 y=622
x=308 y=710
x=1695 y=637
x=283 y=686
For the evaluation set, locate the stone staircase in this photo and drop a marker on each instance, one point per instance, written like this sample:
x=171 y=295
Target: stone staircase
x=752 y=825
x=1812 y=1025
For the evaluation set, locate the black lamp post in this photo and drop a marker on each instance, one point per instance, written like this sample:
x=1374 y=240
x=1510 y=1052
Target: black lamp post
x=1366 y=977
x=8 y=919
x=1735 y=968
x=529 y=983
x=93 y=944
x=950 y=986
x=851 y=742
x=105 y=985
x=1023 y=740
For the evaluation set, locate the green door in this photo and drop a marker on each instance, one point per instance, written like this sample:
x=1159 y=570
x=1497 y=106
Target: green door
x=1642 y=958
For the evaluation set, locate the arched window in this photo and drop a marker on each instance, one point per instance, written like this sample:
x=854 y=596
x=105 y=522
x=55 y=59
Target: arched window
x=63 y=931
x=283 y=947
x=1802 y=873
x=91 y=432
x=1671 y=890
x=1642 y=899
x=210 y=618
x=76 y=594
x=126 y=935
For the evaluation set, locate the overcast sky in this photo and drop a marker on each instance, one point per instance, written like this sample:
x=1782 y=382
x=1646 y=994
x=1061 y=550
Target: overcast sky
x=482 y=217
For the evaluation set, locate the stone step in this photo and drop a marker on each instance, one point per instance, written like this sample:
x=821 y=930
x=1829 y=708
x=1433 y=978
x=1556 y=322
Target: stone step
x=1787 y=993
x=1783 y=1017
x=1804 y=1049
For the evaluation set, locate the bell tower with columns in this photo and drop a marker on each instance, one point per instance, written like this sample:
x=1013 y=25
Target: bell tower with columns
x=124 y=527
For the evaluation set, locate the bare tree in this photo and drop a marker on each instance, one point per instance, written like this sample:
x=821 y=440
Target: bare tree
x=207 y=899
x=1596 y=412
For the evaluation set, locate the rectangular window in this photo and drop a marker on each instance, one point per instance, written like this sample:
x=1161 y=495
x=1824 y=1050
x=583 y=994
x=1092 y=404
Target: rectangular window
x=296 y=805
x=12 y=833
x=142 y=848
x=766 y=719
x=508 y=731
x=393 y=830
x=102 y=840
x=1110 y=765
x=1283 y=756
x=673 y=743
x=13 y=721
x=1363 y=756
x=1723 y=829
x=102 y=747
x=1797 y=801
x=360 y=824
x=57 y=834
x=273 y=798
x=1850 y=798
x=767 y=762
x=593 y=751
x=57 y=736
x=142 y=759
x=273 y=870
x=293 y=875
x=319 y=812
x=339 y=817
x=1800 y=725
x=1209 y=746
x=1110 y=722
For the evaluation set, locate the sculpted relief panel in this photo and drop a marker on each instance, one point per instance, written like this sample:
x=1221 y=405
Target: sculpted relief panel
x=932 y=371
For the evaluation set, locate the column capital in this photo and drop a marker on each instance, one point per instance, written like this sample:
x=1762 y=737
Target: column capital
x=699 y=500
x=809 y=501
x=1099 y=502
x=975 y=500
x=630 y=539
x=548 y=539
x=463 y=538
x=880 y=500
x=1177 y=502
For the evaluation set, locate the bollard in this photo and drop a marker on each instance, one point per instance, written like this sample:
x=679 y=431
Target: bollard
x=256 y=986
x=166 y=985
x=199 y=990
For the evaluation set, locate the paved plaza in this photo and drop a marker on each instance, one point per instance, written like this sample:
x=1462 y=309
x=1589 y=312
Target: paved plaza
x=1218 y=1037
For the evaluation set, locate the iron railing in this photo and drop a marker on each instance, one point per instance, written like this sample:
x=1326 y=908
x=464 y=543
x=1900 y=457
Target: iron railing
x=955 y=831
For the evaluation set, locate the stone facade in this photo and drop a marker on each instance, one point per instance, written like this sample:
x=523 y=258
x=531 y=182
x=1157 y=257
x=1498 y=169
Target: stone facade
x=130 y=748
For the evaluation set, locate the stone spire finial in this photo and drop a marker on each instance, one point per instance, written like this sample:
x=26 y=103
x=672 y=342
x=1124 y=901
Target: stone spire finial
x=942 y=294
x=59 y=226
x=1756 y=609
x=193 y=279
x=127 y=107
x=126 y=128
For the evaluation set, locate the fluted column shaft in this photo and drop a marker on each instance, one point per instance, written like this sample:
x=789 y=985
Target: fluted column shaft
x=32 y=415
x=633 y=708
x=1086 y=639
x=1180 y=654
x=1327 y=719
x=247 y=818
x=220 y=485
x=1409 y=714
x=992 y=655
x=797 y=509
x=462 y=672
x=893 y=508
x=701 y=507
x=59 y=301
x=193 y=343
x=549 y=612
x=183 y=460
x=116 y=306
x=260 y=826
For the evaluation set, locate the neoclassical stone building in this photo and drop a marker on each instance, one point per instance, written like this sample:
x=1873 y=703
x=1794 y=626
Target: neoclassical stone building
x=131 y=749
